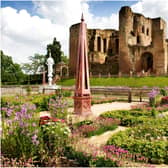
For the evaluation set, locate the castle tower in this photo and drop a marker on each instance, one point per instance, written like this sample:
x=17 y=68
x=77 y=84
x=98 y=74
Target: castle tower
x=125 y=27
x=82 y=98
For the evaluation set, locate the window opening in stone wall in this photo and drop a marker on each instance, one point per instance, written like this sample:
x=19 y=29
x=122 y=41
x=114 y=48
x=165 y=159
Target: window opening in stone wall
x=98 y=44
x=138 y=39
x=147 y=62
x=92 y=57
x=104 y=45
x=117 y=45
x=143 y=29
x=147 y=32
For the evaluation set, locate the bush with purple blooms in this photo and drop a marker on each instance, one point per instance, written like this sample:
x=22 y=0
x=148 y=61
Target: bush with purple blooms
x=20 y=132
x=25 y=138
x=58 y=107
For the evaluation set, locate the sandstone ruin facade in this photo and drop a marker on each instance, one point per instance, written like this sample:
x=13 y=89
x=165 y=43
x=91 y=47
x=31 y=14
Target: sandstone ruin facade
x=140 y=45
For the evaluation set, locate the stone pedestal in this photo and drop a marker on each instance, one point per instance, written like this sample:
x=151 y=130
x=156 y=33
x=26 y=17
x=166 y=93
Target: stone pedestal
x=82 y=105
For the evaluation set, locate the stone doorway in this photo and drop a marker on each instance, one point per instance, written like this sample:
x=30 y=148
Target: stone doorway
x=147 y=62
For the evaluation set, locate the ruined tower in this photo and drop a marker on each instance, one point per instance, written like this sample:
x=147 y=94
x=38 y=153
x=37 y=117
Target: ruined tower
x=140 y=45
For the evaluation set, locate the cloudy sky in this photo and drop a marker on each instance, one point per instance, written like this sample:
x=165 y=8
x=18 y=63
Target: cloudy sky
x=28 y=26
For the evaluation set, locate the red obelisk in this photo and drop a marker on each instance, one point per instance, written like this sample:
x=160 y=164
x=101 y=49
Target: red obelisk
x=82 y=97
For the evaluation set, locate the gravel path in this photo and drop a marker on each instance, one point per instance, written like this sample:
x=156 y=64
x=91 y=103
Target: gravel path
x=103 y=138
x=97 y=109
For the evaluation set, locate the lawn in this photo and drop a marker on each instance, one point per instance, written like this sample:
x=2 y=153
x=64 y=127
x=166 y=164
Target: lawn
x=124 y=81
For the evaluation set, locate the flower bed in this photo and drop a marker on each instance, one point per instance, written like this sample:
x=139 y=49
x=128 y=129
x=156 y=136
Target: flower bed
x=146 y=107
x=105 y=156
x=128 y=117
x=28 y=141
x=149 y=139
x=100 y=125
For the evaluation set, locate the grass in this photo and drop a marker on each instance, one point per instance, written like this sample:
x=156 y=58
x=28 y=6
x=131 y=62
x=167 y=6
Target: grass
x=124 y=81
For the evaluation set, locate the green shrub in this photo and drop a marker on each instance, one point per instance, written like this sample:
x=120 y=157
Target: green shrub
x=83 y=160
x=84 y=122
x=154 y=112
x=132 y=121
x=102 y=162
x=149 y=139
x=163 y=92
x=66 y=93
x=128 y=117
x=55 y=135
x=101 y=130
x=58 y=107
x=158 y=99
x=20 y=133
x=41 y=102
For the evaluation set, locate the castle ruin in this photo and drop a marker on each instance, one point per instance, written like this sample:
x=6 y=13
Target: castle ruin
x=140 y=45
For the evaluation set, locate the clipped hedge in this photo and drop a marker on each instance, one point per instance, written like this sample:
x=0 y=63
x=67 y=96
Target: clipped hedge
x=128 y=117
x=150 y=140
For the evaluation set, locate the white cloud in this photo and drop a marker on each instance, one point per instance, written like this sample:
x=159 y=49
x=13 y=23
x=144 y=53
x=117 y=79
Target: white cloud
x=152 y=8
x=23 y=34
x=65 y=13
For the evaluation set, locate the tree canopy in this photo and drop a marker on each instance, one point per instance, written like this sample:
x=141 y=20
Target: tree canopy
x=36 y=65
x=10 y=72
x=55 y=49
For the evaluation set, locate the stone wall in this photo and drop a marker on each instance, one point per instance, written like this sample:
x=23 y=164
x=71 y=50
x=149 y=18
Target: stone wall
x=140 y=45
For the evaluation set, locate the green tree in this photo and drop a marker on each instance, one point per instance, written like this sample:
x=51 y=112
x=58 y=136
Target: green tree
x=11 y=72
x=37 y=63
x=55 y=49
x=64 y=58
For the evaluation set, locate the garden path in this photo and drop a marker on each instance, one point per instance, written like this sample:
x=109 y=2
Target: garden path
x=103 y=138
x=98 y=109
x=95 y=142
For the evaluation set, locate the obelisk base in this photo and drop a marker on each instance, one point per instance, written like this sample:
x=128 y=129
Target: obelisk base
x=82 y=105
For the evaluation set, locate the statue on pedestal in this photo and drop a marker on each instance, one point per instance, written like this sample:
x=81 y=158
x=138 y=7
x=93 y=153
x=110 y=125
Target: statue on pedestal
x=50 y=63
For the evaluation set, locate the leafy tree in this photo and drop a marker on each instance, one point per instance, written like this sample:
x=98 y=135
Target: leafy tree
x=55 y=49
x=36 y=65
x=10 y=72
x=64 y=58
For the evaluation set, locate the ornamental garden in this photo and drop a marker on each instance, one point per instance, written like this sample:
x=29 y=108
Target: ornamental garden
x=42 y=130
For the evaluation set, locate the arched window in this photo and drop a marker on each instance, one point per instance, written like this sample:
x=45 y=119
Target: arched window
x=147 y=32
x=98 y=44
x=138 y=39
x=143 y=29
x=117 y=45
x=104 y=45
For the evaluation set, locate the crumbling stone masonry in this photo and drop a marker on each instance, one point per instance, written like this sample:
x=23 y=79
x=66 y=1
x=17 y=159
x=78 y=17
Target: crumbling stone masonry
x=140 y=45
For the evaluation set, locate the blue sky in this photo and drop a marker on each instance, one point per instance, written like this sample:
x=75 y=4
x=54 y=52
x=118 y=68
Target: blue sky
x=105 y=8
x=98 y=8
x=28 y=5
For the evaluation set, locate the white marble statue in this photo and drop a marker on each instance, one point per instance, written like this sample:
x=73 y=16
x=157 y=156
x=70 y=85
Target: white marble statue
x=50 y=63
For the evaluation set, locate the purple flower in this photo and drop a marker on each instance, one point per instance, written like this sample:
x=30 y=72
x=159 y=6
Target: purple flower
x=153 y=93
x=34 y=124
x=9 y=122
x=34 y=139
x=10 y=132
x=9 y=112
